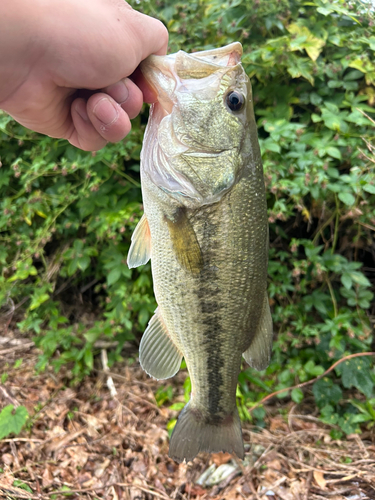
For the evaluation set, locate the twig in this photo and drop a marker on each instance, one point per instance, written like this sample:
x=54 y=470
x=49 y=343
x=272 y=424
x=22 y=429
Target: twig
x=110 y=384
x=14 y=453
x=8 y=395
x=308 y=484
x=23 y=440
x=89 y=285
x=17 y=348
x=13 y=492
x=252 y=487
x=9 y=313
x=348 y=489
x=366 y=115
x=372 y=228
x=131 y=394
x=124 y=485
x=304 y=384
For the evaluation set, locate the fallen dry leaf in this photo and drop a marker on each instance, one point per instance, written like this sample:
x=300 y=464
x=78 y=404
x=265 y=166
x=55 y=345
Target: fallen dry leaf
x=60 y=443
x=7 y=458
x=319 y=478
x=221 y=458
x=131 y=448
x=47 y=478
x=274 y=464
x=278 y=424
x=99 y=470
x=78 y=455
x=194 y=490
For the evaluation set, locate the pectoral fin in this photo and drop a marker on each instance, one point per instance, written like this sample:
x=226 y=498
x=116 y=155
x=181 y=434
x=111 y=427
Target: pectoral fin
x=185 y=243
x=158 y=355
x=140 y=248
x=258 y=355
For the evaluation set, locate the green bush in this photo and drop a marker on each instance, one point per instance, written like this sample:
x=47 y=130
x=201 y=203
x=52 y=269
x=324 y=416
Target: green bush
x=65 y=227
x=67 y=216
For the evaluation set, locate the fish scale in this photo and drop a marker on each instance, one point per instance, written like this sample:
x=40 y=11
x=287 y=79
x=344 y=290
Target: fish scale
x=205 y=229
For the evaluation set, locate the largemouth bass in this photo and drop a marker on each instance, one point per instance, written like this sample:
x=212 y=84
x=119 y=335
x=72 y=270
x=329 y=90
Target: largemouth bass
x=205 y=229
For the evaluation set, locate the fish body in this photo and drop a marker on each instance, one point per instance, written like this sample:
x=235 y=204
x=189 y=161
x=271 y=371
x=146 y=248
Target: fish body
x=205 y=229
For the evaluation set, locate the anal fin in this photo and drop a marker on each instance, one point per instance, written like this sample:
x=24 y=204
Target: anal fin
x=158 y=355
x=140 y=248
x=258 y=355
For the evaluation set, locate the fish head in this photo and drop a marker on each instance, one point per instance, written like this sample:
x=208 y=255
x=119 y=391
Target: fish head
x=199 y=132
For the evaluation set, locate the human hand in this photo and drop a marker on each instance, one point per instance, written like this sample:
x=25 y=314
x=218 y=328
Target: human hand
x=64 y=67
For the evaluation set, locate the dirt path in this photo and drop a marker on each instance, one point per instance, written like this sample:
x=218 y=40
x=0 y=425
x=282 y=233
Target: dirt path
x=104 y=440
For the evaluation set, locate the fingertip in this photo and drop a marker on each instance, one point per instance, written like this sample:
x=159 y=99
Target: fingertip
x=128 y=95
x=108 y=118
x=83 y=134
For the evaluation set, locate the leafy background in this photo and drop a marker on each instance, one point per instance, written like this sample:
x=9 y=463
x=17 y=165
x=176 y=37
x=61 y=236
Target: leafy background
x=67 y=216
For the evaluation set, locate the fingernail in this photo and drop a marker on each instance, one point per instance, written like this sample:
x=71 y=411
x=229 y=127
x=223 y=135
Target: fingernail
x=105 y=111
x=119 y=91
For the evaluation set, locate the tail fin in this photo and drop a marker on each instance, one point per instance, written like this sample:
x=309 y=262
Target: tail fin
x=192 y=434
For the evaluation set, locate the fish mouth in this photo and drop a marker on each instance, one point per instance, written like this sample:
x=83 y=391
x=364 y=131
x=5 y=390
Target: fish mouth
x=179 y=71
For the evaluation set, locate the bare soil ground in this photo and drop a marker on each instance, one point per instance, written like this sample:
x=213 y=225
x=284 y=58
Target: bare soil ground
x=109 y=441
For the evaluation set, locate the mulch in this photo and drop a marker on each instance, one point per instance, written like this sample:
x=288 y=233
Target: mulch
x=106 y=439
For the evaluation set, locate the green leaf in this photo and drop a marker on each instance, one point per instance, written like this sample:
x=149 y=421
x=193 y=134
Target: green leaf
x=5 y=176
x=356 y=373
x=305 y=40
x=359 y=64
x=83 y=262
x=326 y=392
x=346 y=280
x=171 y=425
x=299 y=66
x=177 y=406
x=313 y=369
x=297 y=395
x=316 y=118
x=72 y=267
x=359 y=278
x=11 y=422
x=328 y=415
x=270 y=145
x=348 y=423
x=346 y=198
x=353 y=75
x=143 y=317
x=114 y=276
x=89 y=358
x=38 y=301
x=20 y=484
x=334 y=152
x=324 y=11
x=331 y=120
x=369 y=188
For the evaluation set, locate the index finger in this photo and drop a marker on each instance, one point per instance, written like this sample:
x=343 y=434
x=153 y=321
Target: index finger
x=151 y=36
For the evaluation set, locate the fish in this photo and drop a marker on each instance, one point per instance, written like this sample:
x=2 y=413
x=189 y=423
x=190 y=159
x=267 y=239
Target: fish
x=205 y=229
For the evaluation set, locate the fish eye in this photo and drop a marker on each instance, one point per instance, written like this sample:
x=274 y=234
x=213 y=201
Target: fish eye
x=235 y=100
